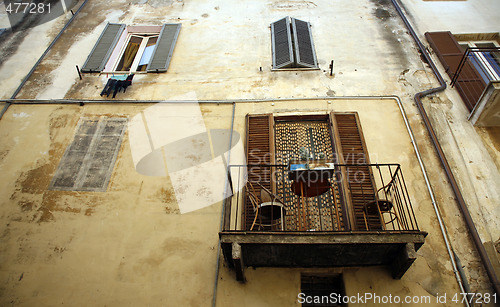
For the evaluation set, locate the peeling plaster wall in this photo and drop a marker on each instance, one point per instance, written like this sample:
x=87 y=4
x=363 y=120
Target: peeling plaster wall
x=473 y=152
x=131 y=245
x=22 y=49
x=201 y=63
x=133 y=237
x=470 y=16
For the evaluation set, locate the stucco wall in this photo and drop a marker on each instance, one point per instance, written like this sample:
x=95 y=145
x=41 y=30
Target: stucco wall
x=473 y=152
x=130 y=245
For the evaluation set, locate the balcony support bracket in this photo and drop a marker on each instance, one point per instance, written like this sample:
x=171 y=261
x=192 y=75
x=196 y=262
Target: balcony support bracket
x=239 y=266
x=403 y=260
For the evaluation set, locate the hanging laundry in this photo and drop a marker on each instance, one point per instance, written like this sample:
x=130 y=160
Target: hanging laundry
x=116 y=83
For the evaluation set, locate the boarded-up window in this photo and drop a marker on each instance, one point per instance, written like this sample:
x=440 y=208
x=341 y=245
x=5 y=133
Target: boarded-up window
x=144 y=51
x=89 y=160
x=321 y=290
x=292 y=44
x=470 y=84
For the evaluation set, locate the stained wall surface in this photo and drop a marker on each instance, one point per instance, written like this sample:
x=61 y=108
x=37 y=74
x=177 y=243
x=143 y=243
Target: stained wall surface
x=142 y=241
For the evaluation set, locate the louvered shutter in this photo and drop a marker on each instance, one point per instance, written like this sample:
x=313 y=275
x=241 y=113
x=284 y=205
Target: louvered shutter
x=103 y=48
x=164 y=48
x=89 y=160
x=282 y=43
x=359 y=179
x=304 y=46
x=260 y=150
x=470 y=84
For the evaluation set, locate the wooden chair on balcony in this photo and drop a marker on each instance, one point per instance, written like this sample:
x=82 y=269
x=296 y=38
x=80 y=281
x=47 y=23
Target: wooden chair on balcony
x=379 y=207
x=268 y=209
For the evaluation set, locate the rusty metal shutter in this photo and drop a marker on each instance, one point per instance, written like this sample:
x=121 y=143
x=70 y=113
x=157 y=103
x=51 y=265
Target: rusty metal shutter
x=359 y=180
x=260 y=150
x=164 y=48
x=282 y=43
x=470 y=85
x=103 y=48
x=303 y=42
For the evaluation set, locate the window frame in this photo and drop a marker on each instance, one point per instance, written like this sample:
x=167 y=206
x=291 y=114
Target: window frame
x=309 y=283
x=345 y=151
x=487 y=71
x=137 y=58
x=114 y=39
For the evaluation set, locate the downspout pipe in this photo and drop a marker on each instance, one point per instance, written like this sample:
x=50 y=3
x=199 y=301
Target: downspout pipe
x=455 y=262
x=223 y=211
x=449 y=174
x=9 y=103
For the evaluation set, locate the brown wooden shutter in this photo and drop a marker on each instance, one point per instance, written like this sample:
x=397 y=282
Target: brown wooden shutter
x=470 y=85
x=358 y=179
x=260 y=150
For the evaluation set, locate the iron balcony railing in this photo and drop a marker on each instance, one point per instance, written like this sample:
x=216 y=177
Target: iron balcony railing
x=477 y=68
x=337 y=198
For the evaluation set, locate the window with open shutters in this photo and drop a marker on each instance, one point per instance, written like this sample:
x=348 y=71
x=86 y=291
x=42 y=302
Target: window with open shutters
x=292 y=44
x=472 y=73
x=131 y=49
x=337 y=136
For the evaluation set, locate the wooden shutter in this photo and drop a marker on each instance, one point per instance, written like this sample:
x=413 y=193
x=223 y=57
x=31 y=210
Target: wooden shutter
x=358 y=179
x=304 y=47
x=281 y=43
x=470 y=85
x=103 y=48
x=164 y=48
x=89 y=160
x=260 y=150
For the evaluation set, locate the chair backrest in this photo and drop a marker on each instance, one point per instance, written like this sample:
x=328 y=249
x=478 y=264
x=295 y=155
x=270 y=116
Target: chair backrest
x=265 y=196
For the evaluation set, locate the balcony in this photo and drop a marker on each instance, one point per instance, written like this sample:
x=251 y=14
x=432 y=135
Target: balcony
x=319 y=215
x=477 y=80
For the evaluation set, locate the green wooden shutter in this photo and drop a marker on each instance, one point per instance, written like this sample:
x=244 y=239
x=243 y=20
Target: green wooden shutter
x=281 y=43
x=164 y=48
x=304 y=47
x=103 y=48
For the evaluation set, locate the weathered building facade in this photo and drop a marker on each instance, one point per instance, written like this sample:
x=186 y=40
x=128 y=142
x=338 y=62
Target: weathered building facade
x=176 y=186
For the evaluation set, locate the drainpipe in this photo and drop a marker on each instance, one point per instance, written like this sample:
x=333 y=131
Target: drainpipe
x=456 y=190
x=462 y=281
x=40 y=60
x=226 y=186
